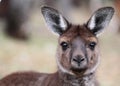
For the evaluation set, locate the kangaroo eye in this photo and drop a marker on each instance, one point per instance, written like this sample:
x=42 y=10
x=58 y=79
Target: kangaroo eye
x=64 y=45
x=92 y=45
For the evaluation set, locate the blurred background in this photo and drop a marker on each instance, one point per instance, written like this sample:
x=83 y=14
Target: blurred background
x=26 y=43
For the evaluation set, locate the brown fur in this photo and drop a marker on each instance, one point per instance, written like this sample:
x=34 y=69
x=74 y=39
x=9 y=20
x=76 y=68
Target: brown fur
x=117 y=7
x=70 y=35
x=59 y=78
x=77 y=54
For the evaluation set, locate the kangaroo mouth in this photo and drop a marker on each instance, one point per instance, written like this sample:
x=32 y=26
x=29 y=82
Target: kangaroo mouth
x=78 y=70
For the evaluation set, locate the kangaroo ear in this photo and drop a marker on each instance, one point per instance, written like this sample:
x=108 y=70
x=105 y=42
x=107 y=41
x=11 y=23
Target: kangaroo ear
x=55 y=21
x=100 y=19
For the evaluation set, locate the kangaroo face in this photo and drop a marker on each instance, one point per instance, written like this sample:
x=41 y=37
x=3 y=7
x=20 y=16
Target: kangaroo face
x=78 y=50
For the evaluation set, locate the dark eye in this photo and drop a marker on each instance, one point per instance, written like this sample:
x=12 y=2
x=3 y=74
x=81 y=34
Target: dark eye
x=92 y=45
x=64 y=45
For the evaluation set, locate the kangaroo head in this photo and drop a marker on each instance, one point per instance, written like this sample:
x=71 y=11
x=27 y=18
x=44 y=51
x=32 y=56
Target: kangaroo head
x=78 y=48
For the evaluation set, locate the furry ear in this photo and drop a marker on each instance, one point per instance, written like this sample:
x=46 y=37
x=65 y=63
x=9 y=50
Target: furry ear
x=100 y=19
x=55 y=21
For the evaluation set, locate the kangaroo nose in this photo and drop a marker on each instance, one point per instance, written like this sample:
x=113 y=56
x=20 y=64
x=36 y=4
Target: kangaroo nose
x=78 y=59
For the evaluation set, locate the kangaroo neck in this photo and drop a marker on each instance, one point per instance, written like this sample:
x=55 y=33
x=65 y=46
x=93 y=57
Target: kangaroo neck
x=74 y=80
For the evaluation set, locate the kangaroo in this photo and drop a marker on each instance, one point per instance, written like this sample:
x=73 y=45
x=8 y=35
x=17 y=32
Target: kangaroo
x=117 y=7
x=17 y=12
x=77 y=53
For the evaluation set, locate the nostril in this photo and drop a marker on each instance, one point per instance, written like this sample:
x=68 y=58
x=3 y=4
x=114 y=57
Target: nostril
x=75 y=60
x=78 y=59
x=82 y=59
